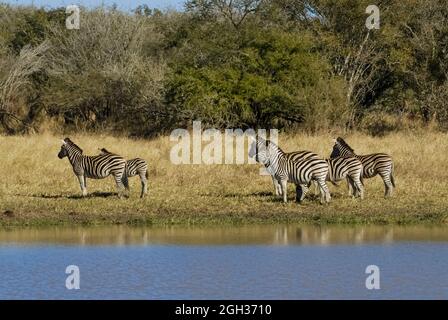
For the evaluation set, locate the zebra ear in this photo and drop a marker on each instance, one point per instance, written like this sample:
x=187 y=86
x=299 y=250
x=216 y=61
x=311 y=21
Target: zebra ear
x=334 y=140
x=63 y=142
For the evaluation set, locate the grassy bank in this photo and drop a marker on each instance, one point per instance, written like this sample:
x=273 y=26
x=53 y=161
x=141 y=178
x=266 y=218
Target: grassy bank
x=39 y=189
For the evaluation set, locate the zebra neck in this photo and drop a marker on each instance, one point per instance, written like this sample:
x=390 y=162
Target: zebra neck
x=275 y=156
x=75 y=157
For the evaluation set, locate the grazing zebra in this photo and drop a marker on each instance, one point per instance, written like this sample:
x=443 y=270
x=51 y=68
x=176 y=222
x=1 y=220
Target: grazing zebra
x=373 y=164
x=95 y=167
x=134 y=167
x=284 y=168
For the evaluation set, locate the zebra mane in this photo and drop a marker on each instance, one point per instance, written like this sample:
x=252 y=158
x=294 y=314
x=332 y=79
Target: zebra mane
x=344 y=144
x=104 y=150
x=70 y=142
x=266 y=142
x=269 y=143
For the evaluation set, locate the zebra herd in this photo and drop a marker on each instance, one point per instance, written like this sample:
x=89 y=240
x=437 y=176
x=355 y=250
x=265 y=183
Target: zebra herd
x=103 y=165
x=304 y=167
x=301 y=168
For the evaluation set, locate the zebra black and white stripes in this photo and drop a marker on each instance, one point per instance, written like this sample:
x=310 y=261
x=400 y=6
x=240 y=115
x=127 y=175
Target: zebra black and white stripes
x=349 y=168
x=295 y=156
x=94 y=167
x=285 y=168
x=137 y=166
x=339 y=168
x=373 y=164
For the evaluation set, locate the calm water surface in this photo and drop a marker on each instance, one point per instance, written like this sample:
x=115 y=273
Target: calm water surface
x=257 y=262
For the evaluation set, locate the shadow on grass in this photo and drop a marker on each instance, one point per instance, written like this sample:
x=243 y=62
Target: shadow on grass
x=253 y=194
x=96 y=194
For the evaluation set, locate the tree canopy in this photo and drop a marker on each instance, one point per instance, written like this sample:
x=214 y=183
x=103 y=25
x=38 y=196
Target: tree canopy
x=290 y=64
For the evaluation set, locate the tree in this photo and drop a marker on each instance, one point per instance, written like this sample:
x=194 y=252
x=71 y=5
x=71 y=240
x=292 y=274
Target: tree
x=102 y=75
x=17 y=79
x=252 y=76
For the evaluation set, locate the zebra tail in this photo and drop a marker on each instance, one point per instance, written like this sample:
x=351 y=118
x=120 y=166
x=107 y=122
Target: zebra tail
x=146 y=174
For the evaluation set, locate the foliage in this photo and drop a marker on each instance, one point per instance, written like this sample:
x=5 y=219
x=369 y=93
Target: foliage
x=309 y=64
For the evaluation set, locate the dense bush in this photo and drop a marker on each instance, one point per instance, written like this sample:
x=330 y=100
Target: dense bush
x=242 y=63
x=101 y=75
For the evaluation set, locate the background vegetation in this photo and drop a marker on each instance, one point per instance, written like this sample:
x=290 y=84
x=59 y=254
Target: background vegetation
x=289 y=64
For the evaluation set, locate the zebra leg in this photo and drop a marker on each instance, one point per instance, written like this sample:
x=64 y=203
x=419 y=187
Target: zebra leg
x=81 y=180
x=315 y=187
x=144 y=182
x=359 y=187
x=350 y=188
x=325 y=196
x=305 y=188
x=284 y=186
x=277 y=187
x=120 y=185
x=353 y=190
x=387 y=183
x=125 y=181
x=301 y=191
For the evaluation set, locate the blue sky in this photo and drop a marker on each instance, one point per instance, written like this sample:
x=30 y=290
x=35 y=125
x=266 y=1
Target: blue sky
x=122 y=4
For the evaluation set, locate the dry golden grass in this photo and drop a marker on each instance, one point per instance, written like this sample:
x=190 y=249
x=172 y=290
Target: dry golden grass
x=39 y=189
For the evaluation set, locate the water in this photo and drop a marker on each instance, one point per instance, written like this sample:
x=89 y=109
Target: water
x=258 y=262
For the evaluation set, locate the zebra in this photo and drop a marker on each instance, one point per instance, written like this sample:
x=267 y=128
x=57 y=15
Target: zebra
x=338 y=169
x=284 y=168
x=349 y=168
x=294 y=156
x=373 y=164
x=94 y=167
x=134 y=167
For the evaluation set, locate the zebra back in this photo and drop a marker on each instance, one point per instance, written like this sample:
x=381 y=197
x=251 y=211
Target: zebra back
x=301 y=155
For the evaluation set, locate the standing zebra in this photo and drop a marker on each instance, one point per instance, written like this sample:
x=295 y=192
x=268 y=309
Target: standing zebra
x=349 y=168
x=295 y=156
x=134 y=167
x=373 y=164
x=284 y=168
x=339 y=169
x=95 y=167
